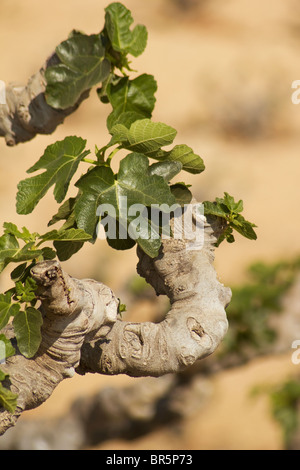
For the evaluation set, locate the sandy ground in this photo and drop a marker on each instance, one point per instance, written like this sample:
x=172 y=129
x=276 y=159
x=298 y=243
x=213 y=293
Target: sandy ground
x=224 y=73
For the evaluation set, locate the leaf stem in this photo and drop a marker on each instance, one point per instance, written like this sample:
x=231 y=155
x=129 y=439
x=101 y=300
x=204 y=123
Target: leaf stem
x=111 y=155
x=89 y=160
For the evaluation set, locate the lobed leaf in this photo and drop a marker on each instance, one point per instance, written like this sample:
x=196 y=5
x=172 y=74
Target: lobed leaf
x=97 y=186
x=11 y=252
x=230 y=203
x=229 y=210
x=25 y=292
x=133 y=183
x=214 y=208
x=143 y=136
x=60 y=160
x=244 y=227
x=133 y=97
x=25 y=235
x=83 y=65
x=118 y=21
x=191 y=162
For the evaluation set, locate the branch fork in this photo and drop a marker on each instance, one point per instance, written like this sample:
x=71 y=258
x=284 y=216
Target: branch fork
x=82 y=331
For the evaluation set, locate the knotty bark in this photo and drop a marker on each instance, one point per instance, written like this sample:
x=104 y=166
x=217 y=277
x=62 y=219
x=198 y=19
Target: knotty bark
x=192 y=329
x=82 y=332
x=26 y=112
x=72 y=311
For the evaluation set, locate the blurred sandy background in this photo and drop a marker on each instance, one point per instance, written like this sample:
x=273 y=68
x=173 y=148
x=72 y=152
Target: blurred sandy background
x=224 y=73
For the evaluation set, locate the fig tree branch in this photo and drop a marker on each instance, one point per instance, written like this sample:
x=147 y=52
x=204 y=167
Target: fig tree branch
x=82 y=332
x=26 y=112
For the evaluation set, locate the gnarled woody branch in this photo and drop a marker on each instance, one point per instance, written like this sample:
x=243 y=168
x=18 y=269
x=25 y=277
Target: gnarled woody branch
x=192 y=329
x=81 y=330
x=26 y=112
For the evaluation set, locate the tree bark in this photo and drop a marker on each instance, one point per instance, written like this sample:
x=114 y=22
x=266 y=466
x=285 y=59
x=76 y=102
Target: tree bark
x=26 y=112
x=82 y=332
x=192 y=329
x=72 y=311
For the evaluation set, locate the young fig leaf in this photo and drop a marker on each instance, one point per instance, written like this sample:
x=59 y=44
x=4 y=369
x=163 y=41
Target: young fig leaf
x=60 y=160
x=27 y=326
x=118 y=20
x=82 y=65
